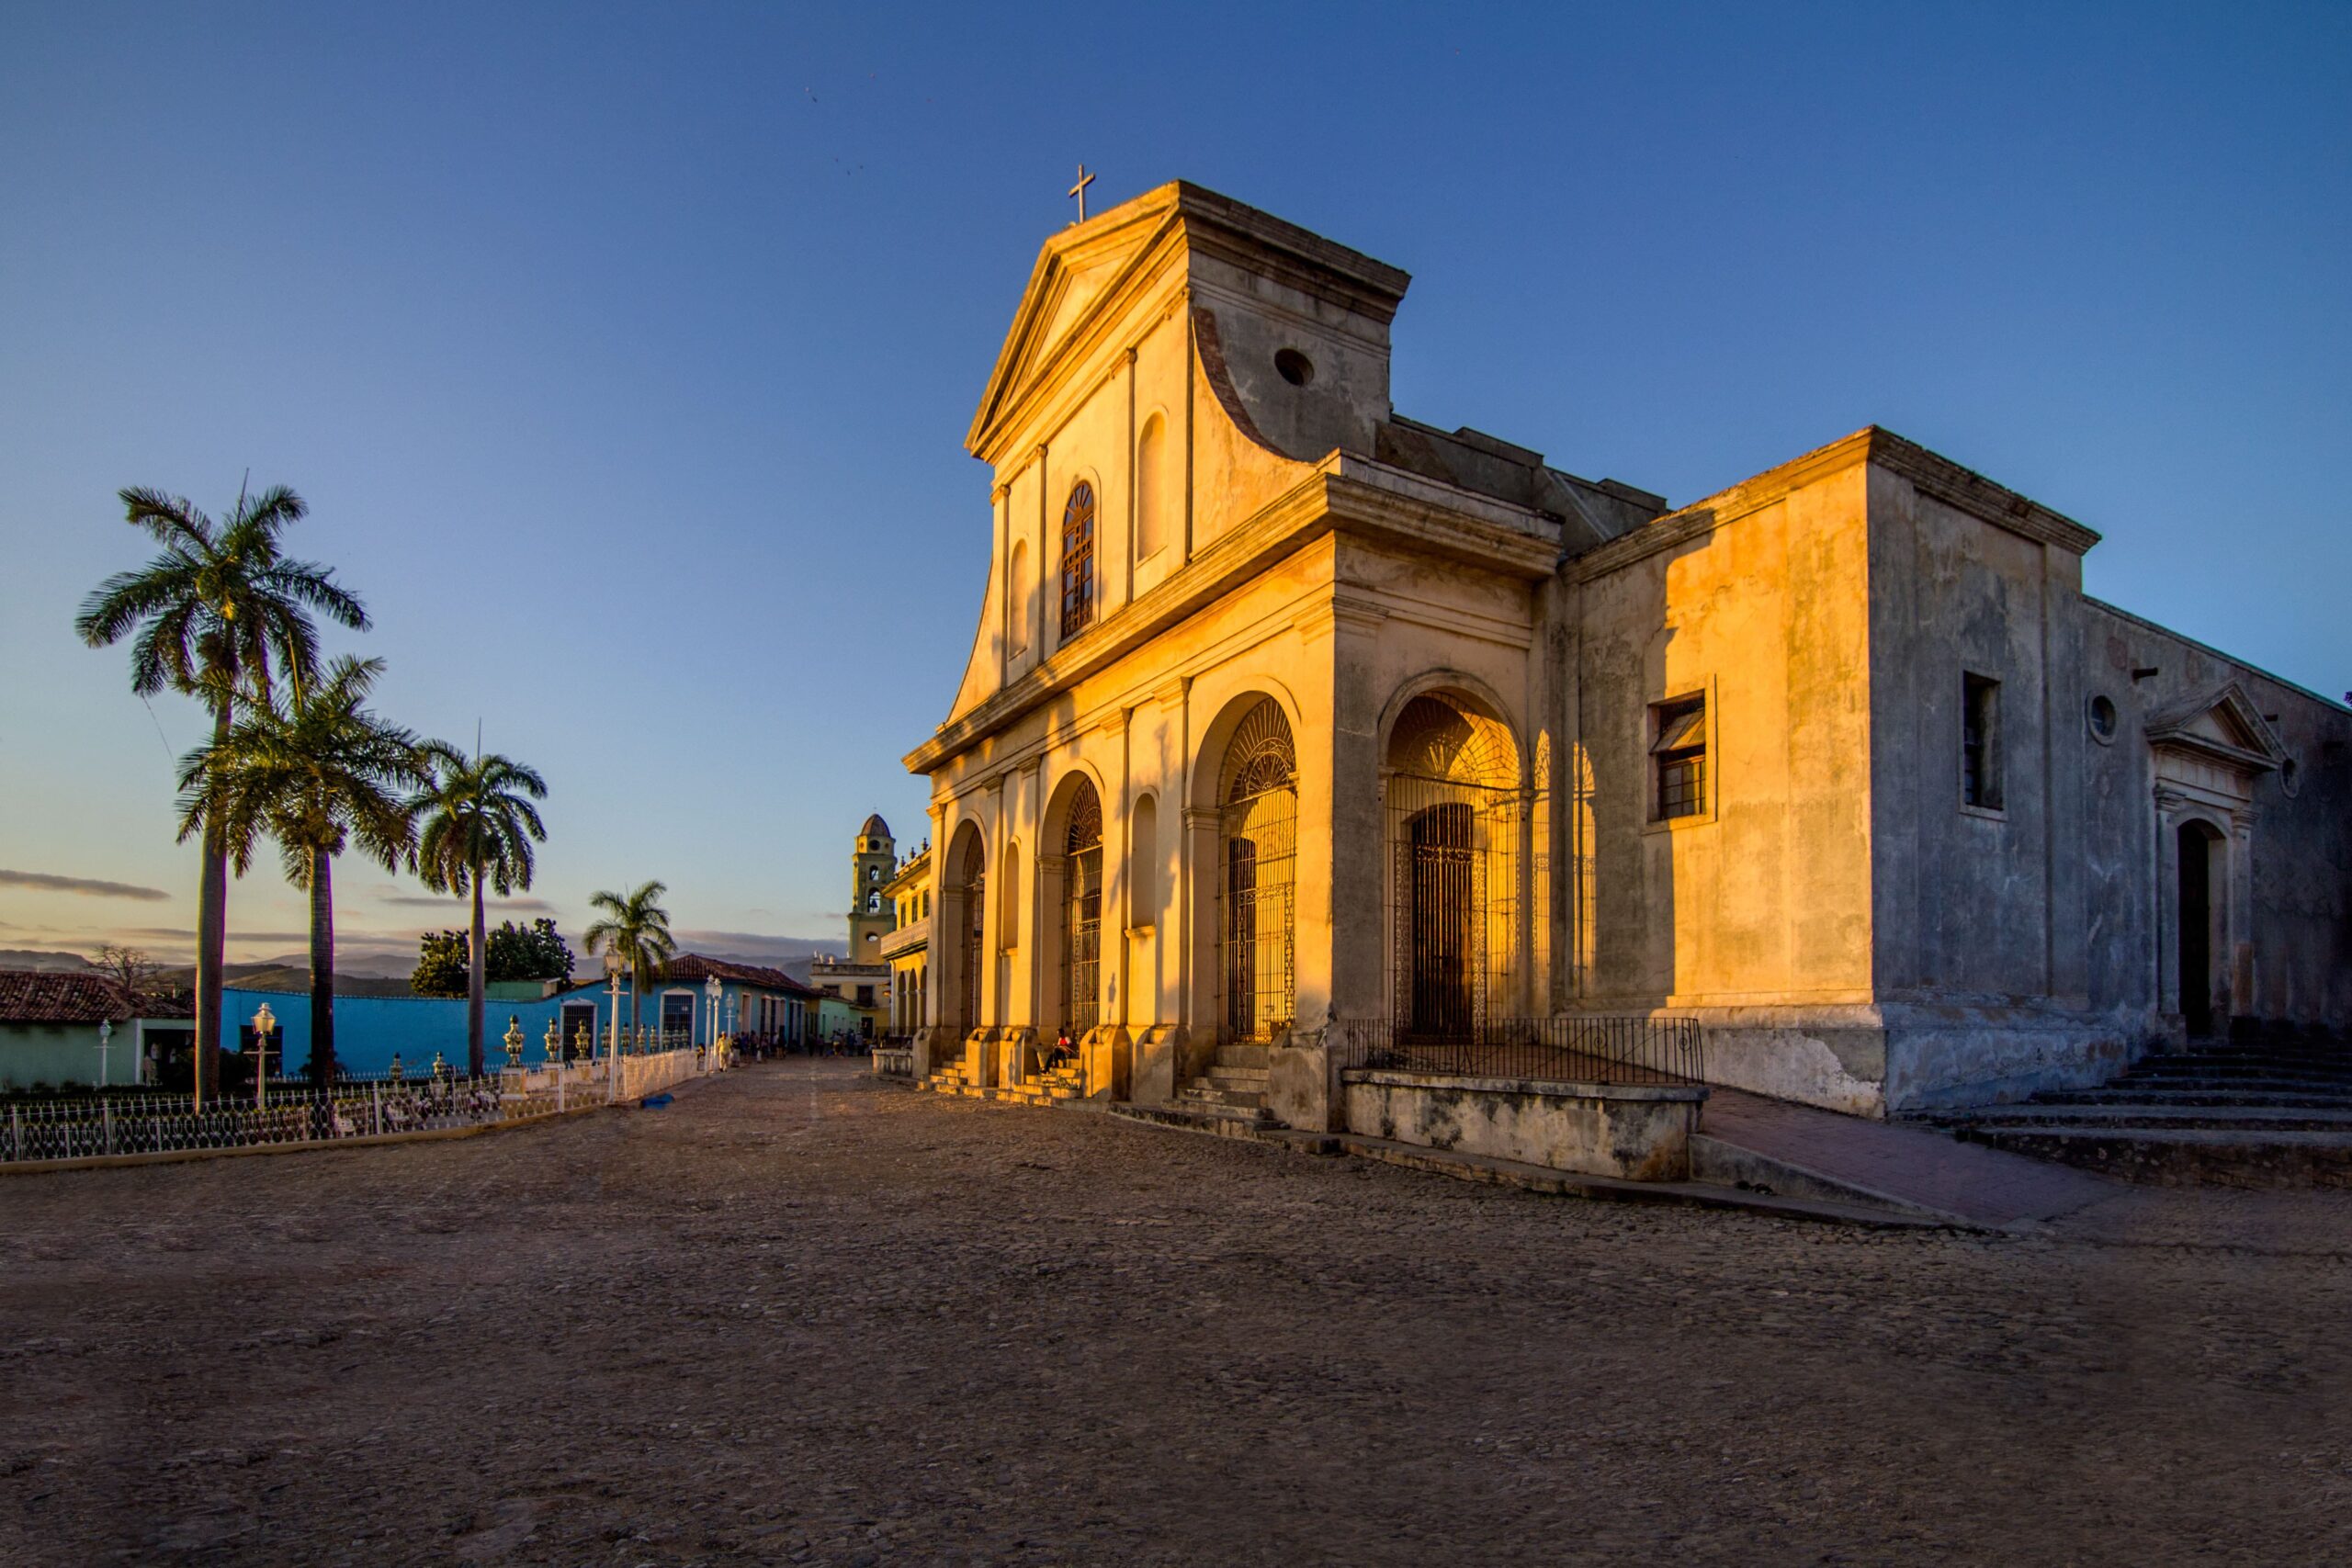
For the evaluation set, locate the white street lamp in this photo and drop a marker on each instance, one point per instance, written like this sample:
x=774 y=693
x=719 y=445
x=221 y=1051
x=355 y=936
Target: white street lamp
x=105 y=1033
x=264 y=1022
x=712 y=989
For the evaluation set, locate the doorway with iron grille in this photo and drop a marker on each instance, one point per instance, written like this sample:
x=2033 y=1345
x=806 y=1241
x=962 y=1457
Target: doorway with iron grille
x=1081 y=914
x=1451 y=804
x=966 y=911
x=1256 y=866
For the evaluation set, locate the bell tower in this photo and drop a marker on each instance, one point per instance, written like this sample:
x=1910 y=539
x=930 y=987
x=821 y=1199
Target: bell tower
x=871 y=917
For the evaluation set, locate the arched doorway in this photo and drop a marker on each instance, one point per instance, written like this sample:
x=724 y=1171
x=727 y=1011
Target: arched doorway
x=1451 y=790
x=965 y=908
x=2199 y=852
x=1257 y=859
x=1082 y=932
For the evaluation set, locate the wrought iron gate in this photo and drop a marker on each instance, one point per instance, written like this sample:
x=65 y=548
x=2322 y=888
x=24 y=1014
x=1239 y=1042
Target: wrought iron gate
x=1256 y=867
x=1083 y=915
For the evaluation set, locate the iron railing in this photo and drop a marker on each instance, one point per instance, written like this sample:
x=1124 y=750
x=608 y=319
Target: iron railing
x=60 y=1127
x=1563 y=1048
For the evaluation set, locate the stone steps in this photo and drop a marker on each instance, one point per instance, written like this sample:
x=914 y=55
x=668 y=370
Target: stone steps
x=2185 y=1156
x=2262 y=1114
x=2232 y=1072
x=2152 y=1094
x=2159 y=1114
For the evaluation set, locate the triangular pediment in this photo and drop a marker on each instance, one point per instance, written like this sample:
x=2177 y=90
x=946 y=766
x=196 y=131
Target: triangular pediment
x=1076 y=271
x=1091 y=271
x=2223 y=724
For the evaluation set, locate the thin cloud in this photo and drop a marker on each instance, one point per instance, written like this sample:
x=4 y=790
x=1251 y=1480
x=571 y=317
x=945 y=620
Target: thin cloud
x=427 y=901
x=87 y=887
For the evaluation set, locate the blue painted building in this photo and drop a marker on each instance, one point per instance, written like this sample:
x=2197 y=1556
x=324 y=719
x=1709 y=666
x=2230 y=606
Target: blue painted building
x=369 y=1031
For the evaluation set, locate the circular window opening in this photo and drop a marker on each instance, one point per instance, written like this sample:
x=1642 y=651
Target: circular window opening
x=2103 y=718
x=1295 y=367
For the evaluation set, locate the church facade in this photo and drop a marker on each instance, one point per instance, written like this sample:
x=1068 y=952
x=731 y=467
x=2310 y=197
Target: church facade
x=1285 y=709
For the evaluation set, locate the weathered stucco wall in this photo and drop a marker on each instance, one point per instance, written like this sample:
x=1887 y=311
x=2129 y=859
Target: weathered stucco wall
x=1637 y=1135
x=2301 y=843
x=1756 y=912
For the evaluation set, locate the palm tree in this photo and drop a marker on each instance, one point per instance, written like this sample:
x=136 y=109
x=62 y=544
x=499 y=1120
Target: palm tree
x=212 y=612
x=639 y=929
x=317 y=772
x=479 y=826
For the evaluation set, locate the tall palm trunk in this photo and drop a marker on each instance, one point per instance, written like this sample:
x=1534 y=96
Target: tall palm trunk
x=636 y=997
x=475 y=973
x=211 y=940
x=321 y=967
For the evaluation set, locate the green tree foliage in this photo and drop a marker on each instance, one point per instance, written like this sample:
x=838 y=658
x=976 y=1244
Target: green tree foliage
x=441 y=965
x=516 y=953
x=212 y=612
x=537 y=954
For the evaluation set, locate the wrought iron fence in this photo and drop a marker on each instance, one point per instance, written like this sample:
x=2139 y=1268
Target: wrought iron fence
x=293 y=1110
x=1569 y=1048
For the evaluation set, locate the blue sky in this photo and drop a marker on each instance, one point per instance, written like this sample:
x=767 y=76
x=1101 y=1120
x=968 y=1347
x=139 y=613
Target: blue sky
x=623 y=354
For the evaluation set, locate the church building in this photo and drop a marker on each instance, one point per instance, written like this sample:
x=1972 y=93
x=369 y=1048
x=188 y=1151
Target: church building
x=1285 y=710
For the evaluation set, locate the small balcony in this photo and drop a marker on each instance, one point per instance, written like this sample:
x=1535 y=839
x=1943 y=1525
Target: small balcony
x=912 y=937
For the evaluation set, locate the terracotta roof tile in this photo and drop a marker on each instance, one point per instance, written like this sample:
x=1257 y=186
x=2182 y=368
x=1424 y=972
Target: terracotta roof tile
x=47 y=996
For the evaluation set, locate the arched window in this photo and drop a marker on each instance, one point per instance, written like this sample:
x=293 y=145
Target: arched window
x=1151 y=503
x=1016 y=614
x=1258 y=829
x=1078 y=560
x=1082 y=913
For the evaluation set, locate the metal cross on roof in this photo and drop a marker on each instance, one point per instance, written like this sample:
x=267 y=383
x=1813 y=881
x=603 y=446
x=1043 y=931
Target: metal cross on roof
x=1079 y=190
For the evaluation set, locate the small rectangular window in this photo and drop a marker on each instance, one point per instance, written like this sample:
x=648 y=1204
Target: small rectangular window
x=1980 y=743
x=1679 y=758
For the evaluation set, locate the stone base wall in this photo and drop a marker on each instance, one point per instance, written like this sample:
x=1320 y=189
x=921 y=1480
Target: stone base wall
x=1892 y=1058
x=1640 y=1134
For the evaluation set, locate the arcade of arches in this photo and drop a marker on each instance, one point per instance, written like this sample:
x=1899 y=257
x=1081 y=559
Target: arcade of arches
x=1163 y=932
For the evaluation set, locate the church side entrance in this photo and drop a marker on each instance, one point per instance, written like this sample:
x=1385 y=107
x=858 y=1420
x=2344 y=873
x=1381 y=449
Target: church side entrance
x=1451 y=798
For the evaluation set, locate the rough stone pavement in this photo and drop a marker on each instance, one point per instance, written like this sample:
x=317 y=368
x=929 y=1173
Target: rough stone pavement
x=804 y=1317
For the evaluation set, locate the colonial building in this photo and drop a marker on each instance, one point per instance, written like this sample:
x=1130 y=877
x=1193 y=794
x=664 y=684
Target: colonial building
x=907 y=950
x=1285 y=708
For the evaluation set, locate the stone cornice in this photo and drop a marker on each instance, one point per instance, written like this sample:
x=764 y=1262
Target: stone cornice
x=1933 y=476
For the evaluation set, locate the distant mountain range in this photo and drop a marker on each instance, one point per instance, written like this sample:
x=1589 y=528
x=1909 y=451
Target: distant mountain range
x=32 y=958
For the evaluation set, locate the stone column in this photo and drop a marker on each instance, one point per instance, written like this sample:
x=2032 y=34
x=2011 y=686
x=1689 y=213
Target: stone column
x=1342 y=820
x=2240 y=1003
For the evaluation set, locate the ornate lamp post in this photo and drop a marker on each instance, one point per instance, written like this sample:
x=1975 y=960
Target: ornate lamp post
x=513 y=1041
x=712 y=989
x=105 y=1033
x=264 y=1022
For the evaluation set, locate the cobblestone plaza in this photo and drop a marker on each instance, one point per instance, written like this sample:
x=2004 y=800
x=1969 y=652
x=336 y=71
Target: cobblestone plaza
x=801 y=1316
